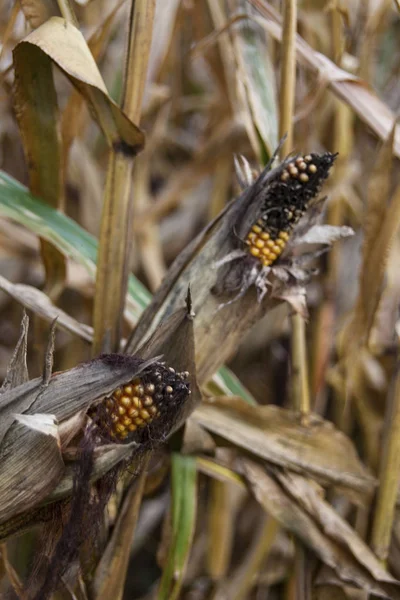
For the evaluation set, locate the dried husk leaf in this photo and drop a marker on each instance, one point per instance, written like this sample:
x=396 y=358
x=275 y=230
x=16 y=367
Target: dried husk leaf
x=276 y=435
x=73 y=118
x=105 y=458
x=24 y=481
x=286 y=509
x=323 y=234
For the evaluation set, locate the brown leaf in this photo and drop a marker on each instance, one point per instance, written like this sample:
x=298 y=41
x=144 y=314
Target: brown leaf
x=331 y=523
x=287 y=510
x=276 y=435
x=64 y=45
x=31 y=467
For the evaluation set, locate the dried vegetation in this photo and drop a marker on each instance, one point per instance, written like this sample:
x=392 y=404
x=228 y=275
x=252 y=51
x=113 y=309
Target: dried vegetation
x=180 y=147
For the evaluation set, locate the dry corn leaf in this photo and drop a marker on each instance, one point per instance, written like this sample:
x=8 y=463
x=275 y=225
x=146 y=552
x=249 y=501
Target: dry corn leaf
x=331 y=523
x=276 y=435
x=36 y=108
x=72 y=120
x=383 y=333
x=378 y=223
x=41 y=305
x=329 y=587
x=250 y=80
x=320 y=528
x=363 y=375
x=65 y=46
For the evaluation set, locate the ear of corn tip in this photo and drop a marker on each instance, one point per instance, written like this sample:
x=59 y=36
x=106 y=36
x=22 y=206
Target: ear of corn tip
x=285 y=205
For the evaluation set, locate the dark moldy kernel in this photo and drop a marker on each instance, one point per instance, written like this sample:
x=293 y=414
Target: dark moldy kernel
x=148 y=401
x=289 y=193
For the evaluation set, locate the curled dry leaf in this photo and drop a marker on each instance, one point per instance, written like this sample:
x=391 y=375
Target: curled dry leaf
x=230 y=265
x=296 y=505
x=275 y=434
x=63 y=44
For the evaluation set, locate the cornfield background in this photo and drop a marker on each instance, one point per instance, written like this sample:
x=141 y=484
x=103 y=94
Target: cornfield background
x=120 y=121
